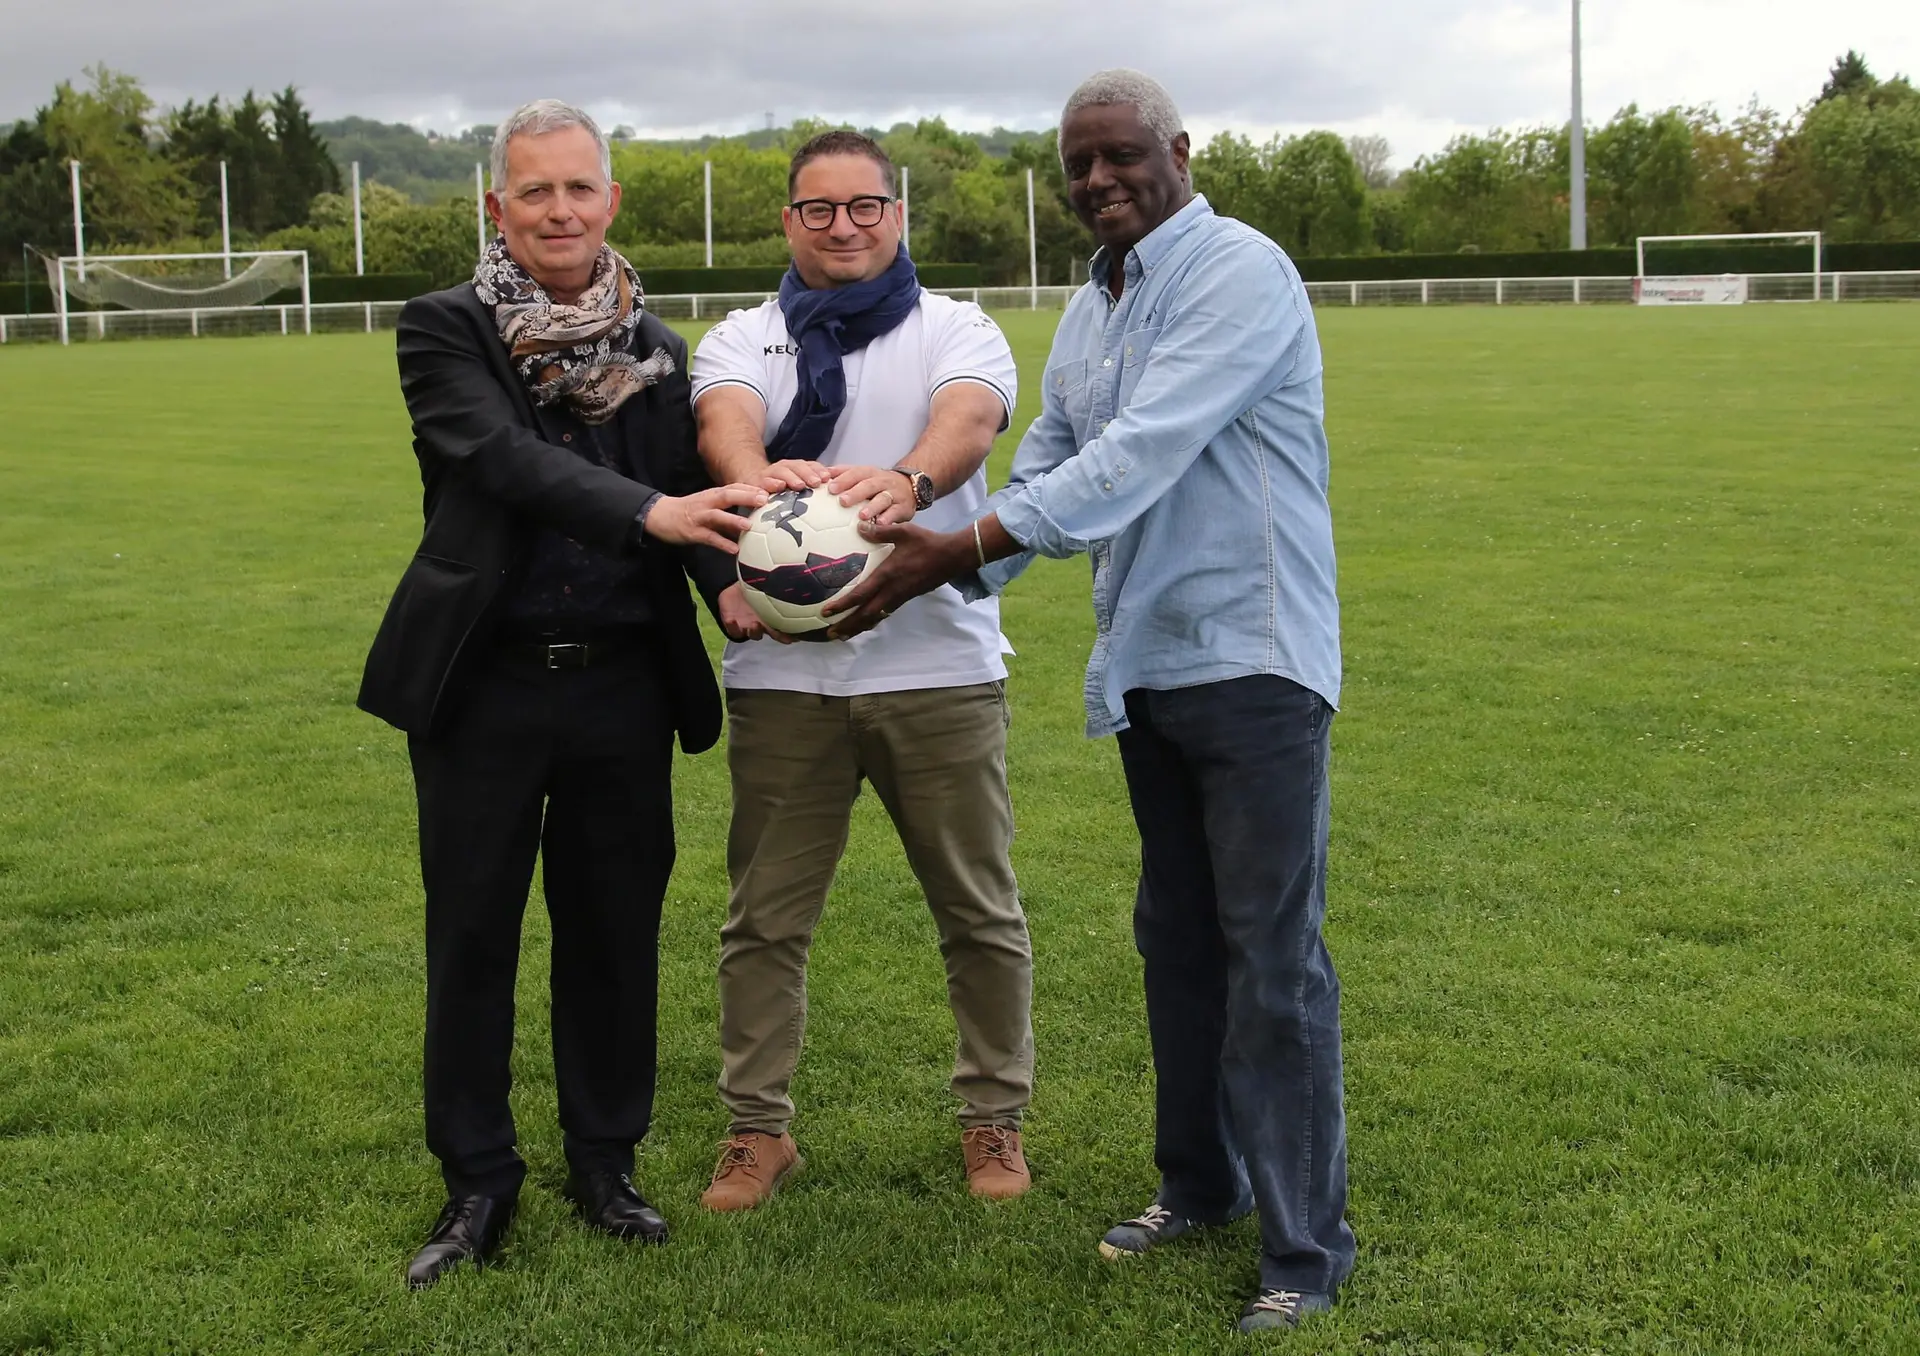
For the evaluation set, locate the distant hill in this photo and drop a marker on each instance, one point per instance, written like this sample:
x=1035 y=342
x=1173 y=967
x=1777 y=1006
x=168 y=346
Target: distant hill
x=430 y=167
x=426 y=166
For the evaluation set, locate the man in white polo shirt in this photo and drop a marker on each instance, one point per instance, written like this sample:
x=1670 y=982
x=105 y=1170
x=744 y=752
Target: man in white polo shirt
x=890 y=396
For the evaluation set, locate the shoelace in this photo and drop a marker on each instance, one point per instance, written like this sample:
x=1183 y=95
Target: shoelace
x=1153 y=1218
x=1285 y=1302
x=735 y=1153
x=995 y=1141
x=450 y=1213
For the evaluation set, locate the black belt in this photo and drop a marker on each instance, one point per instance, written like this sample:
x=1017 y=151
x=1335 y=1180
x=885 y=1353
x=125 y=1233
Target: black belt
x=556 y=653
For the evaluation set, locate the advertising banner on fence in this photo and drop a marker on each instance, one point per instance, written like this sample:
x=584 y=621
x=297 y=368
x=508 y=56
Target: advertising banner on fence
x=1727 y=290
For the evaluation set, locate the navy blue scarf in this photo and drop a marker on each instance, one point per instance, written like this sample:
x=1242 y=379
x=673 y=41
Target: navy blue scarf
x=826 y=324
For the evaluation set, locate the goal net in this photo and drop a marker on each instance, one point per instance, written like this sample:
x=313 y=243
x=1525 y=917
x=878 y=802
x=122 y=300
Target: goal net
x=178 y=282
x=171 y=282
x=1695 y=270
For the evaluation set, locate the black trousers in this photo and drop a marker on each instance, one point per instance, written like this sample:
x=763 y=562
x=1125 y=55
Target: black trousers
x=572 y=766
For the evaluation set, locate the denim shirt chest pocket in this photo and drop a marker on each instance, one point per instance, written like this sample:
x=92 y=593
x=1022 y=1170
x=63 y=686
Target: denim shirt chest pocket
x=1067 y=383
x=1134 y=352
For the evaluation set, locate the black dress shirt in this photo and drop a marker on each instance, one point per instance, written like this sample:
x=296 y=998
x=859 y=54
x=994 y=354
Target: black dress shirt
x=572 y=589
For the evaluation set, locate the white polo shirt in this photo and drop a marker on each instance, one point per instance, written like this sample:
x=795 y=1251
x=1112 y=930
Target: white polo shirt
x=939 y=639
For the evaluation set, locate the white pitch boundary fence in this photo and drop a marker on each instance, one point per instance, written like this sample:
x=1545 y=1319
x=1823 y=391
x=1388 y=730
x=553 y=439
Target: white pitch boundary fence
x=368 y=316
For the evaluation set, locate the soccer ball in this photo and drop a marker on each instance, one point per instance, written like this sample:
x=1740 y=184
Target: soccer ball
x=801 y=550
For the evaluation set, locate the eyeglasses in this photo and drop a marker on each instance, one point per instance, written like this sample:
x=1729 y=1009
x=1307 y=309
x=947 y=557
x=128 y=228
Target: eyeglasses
x=816 y=214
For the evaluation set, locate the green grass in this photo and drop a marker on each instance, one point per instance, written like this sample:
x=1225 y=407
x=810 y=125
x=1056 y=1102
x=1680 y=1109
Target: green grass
x=1623 y=890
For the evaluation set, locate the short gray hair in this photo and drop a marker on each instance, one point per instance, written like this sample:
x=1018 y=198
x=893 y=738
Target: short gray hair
x=537 y=119
x=1121 y=85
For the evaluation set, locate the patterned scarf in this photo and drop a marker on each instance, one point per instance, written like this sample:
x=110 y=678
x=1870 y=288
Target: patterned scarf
x=577 y=354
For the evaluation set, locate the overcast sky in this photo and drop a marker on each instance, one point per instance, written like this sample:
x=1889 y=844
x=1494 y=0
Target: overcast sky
x=1416 y=71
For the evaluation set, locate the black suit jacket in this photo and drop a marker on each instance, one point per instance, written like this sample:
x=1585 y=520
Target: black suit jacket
x=494 y=473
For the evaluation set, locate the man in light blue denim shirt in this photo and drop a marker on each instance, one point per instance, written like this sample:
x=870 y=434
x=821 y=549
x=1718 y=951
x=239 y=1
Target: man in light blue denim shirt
x=1181 y=443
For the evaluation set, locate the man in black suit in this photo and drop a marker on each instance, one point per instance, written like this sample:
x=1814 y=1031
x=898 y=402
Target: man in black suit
x=540 y=653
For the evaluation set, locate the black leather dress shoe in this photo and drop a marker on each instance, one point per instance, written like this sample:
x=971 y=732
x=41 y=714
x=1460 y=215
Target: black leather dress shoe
x=608 y=1202
x=468 y=1230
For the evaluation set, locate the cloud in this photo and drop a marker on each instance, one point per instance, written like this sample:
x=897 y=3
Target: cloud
x=1417 y=71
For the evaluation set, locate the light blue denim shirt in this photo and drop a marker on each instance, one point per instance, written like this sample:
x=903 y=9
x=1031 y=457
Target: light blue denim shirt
x=1181 y=443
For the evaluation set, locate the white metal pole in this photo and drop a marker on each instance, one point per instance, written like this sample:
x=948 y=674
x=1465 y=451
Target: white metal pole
x=479 y=212
x=1578 y=128
x=359 y=242
x=1816 y=267
x=1033 y=249
x=306 y=294
x=709 y=179
x=60 y=297
x=79 y=228
x=906 y=206
x=226 y=229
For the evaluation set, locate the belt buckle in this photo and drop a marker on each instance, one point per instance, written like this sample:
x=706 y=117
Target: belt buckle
x=567 y=656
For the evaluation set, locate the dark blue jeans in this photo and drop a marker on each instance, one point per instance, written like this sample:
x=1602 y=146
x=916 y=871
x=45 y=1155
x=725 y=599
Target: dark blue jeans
x=1229 y=789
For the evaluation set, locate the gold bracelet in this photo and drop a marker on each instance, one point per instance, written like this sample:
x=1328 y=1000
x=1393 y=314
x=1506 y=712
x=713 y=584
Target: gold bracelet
x=976 y=544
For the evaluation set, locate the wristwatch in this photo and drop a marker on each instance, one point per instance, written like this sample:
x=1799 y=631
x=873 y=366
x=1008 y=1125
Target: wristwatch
x=923 y=494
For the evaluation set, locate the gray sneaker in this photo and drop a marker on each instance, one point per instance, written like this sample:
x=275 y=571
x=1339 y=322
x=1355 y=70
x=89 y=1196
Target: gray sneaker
x=1148 y=1230
x=1281 y=1309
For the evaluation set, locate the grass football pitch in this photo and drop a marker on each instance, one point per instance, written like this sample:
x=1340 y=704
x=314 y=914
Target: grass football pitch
x=1623 y=890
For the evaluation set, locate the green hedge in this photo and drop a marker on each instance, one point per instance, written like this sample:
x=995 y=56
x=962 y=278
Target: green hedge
x=369 y=286
x=14 y=297
x=949 y=275
x=1712 y=257
x=337 y=287
x=1731 y=257
x=668 y=282
x=1893 y=256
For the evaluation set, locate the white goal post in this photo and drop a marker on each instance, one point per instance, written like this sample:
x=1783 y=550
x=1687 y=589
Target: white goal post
x=1640 y=251
x=178 y=282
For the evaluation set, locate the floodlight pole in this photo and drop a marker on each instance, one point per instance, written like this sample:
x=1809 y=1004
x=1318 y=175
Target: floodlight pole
x=1578 y=128
x=359 y=242
x=79 y=225
x=1033 y=249
x=479 y=212
x=709 y=182
x=226 y=228
x=906 y=206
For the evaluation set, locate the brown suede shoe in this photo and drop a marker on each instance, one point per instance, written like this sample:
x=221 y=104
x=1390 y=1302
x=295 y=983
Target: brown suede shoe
x=752 y=1166
x=996 y=1168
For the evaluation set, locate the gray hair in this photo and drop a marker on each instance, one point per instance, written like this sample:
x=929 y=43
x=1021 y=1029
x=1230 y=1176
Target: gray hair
x=1123 y=86
x=537 y=119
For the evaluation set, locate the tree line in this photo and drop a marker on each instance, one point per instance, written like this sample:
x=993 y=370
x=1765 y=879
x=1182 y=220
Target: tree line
x=152 y=178
x=1847 y=163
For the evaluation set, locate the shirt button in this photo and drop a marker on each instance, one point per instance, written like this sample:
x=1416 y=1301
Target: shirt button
x=1129 y=353
x=1107 y=363
x=1106 y=484
x=566 y=437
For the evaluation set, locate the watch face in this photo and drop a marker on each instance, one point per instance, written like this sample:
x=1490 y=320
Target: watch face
x=923 y=494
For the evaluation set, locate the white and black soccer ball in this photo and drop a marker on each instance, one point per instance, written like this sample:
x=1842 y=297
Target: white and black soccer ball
x=801 y=550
